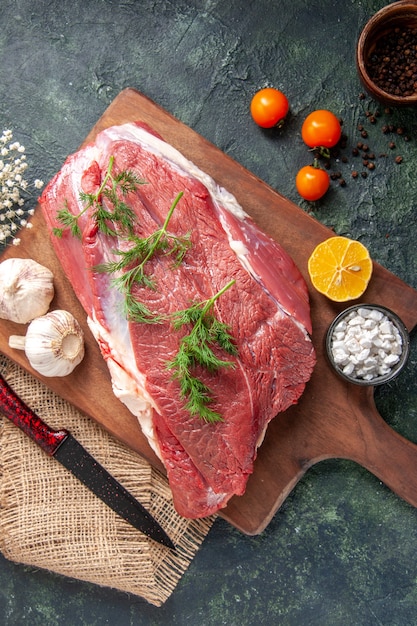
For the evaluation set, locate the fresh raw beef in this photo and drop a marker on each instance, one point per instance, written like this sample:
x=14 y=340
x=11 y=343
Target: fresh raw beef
x=267 y=311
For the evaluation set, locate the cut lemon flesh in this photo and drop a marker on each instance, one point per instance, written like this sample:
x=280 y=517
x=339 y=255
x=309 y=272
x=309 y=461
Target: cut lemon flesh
x=340 y=268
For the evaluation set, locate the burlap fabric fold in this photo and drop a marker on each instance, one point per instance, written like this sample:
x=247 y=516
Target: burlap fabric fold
x=49 y=520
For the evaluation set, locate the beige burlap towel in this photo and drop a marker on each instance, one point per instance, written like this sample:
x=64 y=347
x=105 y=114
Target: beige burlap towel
x=48 y=519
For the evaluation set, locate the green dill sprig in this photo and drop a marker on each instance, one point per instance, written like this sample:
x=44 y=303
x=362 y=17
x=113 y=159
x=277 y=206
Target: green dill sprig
x=68 y=221
x=121 y=214
x=196 y=349
x=136 y=311
x=136 y=257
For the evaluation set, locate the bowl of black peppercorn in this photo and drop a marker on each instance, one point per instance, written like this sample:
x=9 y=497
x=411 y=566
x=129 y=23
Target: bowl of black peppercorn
x=386 y=54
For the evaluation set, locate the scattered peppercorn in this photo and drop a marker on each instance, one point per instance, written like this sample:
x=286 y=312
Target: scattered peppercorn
x=338 y=154
x=335 y=175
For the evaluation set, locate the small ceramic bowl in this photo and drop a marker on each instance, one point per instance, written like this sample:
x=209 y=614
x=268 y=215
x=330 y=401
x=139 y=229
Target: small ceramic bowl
x=372 y=60
x=367 y=344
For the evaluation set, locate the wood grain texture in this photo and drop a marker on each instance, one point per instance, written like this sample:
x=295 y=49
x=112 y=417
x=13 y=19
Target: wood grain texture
x=333 y=419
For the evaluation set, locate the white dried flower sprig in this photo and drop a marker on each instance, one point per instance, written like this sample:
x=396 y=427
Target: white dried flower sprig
x=14 y=188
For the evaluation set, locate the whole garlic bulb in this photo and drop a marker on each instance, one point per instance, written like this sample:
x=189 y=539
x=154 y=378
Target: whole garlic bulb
x=54 y=343
x=26 y=290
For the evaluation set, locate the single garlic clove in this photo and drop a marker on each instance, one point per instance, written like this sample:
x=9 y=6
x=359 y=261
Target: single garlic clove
x=26 y=290
x=54 y=343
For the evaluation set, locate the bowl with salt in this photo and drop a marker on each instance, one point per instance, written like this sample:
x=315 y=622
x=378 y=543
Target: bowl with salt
x=367 y=344
x=386 y=54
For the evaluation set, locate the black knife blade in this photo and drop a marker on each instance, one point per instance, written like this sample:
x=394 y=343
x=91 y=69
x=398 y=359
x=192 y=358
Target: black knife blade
x=61 y=445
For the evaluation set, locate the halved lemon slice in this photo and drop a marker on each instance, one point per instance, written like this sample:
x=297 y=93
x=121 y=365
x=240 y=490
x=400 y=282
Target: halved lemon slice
x=340 y=268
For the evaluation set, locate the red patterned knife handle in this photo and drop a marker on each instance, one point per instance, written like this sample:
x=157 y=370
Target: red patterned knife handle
x=12 y=407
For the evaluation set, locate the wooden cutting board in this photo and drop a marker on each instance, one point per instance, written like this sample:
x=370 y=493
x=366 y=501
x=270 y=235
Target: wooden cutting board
x=333 y=419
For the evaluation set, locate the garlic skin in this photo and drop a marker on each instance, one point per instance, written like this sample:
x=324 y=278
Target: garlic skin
x=54 y=343
x=26 y=290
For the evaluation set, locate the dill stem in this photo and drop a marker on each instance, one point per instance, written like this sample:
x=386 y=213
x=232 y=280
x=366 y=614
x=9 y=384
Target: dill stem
x=106 y=178
x=212 y=300
x=104 y=182
x=162 y=231
x=100 y=189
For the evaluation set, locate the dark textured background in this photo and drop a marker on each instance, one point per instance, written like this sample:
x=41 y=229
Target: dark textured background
x=342 y=548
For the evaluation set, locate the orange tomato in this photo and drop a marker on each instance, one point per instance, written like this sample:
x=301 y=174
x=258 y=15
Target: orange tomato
x=321 y=129
x=312 y=182
x=269 y=107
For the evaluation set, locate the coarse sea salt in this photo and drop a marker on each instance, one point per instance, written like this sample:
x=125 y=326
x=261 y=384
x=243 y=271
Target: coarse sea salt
x=366 y=344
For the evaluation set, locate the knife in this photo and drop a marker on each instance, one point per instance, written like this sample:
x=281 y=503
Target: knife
x=67 y=450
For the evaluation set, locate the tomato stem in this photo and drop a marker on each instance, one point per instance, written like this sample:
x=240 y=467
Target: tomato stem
x=322 y=151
